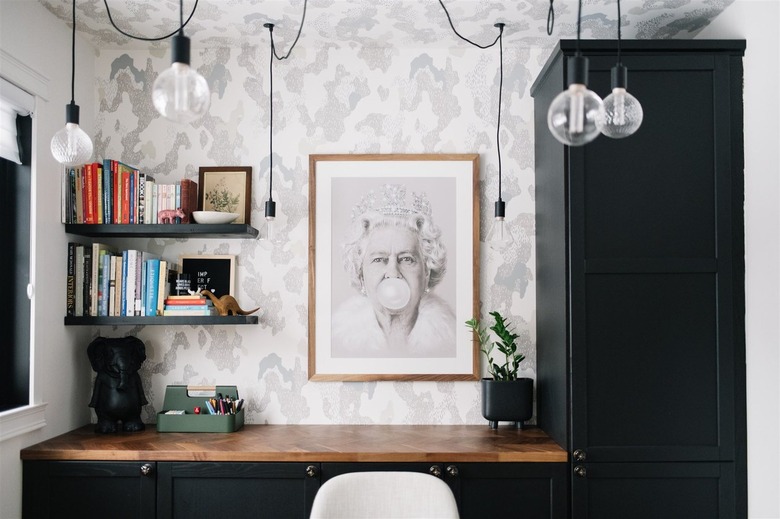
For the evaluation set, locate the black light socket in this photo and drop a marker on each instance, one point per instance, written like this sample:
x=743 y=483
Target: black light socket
x=72 y=113
x=578 y=70
x=180 y=49
x=500 y=209
x=270 y=209
x=619 y=76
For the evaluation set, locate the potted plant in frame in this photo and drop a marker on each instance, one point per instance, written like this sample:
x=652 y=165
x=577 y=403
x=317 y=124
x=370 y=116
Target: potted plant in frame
x=505 y=397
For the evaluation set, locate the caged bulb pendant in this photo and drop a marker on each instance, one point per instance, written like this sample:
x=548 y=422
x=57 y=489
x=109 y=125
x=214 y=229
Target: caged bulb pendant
x=180 y=93
x=622 y=112
x=574 y=114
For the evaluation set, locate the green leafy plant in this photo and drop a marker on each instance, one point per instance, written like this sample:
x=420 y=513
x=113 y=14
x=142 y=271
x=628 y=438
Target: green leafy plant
x=221 y=199
x=505 y=345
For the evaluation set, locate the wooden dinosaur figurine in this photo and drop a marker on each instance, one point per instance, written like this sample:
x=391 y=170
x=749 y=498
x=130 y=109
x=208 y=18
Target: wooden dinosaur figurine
x=227 y=304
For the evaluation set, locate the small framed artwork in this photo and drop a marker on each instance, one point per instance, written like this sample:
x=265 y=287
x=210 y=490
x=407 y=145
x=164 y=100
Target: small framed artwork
x=209 y=272
x=393 y=267
x=227 y=190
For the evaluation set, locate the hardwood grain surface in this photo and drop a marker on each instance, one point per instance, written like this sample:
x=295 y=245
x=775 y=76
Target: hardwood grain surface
x=310 y=443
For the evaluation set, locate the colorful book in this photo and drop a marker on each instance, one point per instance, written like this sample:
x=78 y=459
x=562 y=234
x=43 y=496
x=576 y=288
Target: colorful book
x=152 y=286
x=125 y=172
x=70 y=307
x=98 y=192
x=108 y=198
x=206 y=311
x=119 y=284
x=98 y=249
x=79 y=280
x=189 y=199
x=105 y=283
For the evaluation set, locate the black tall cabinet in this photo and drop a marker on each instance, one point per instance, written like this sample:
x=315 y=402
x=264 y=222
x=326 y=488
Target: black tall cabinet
x=640 y=287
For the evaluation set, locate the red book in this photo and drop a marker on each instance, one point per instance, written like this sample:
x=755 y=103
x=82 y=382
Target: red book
x=89 y=200
x=125 y=195
x=189 y=199
x=185 y=302
x=117 y=194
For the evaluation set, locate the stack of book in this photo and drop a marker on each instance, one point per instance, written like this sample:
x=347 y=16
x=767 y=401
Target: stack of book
x=111 y=192
x=188 y=305
x=103 y=281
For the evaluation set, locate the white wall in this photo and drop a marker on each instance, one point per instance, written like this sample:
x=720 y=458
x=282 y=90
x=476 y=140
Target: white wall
x=758 y=21
x=32 y=37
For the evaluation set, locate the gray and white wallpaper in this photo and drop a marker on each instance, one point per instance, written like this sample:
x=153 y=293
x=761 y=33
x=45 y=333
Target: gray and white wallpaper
x=352 y=94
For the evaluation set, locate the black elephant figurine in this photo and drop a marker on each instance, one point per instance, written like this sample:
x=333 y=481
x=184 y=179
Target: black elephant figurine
x=118 y=394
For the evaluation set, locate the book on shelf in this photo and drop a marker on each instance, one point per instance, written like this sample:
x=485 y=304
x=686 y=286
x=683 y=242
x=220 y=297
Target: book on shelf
x=189 y=199
x=187 y=307
x=119 y=284
x=188 y=302
x=79 y=280
x=98 y=284
x=197 y=312
x=70 y=293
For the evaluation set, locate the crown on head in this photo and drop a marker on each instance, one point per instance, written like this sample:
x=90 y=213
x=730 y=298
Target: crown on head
x=393 y=203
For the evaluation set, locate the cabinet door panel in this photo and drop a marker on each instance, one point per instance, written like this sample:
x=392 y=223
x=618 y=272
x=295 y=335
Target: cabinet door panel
x=207 y=490
x=654 y=490
x=88 y=489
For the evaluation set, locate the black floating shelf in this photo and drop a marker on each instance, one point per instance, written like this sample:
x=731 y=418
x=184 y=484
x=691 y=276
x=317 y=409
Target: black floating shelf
x=183 y=230
x=173 y=320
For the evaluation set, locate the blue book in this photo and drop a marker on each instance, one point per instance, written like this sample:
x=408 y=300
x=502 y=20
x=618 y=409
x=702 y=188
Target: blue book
x=108 y=188
x=178 y=201
x=105 y=283
x=132 y=197
x=152 y=287
x=124 y=283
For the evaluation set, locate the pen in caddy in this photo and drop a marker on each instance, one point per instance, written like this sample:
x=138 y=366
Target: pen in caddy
x=201 y=409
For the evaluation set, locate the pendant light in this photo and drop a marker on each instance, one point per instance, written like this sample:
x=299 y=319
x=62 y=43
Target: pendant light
x=71 y=145
x=499 y=236
x=180 y=93
x=269 y=234
x=574 y=114
x=622 y=112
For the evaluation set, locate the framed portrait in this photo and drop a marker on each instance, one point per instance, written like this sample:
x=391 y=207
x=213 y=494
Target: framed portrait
x=227 y=190
x=393 y=267
x=209 y=272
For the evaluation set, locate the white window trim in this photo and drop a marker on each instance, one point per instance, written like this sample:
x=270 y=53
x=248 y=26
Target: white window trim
x=22 y=420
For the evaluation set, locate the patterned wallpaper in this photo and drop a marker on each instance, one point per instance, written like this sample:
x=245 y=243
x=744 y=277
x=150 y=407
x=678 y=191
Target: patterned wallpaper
x=326 y=100
x=329 y=97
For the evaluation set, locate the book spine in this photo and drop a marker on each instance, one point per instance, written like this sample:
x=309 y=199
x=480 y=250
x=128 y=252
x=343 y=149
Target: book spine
x=163 y=287
x=117 y=191
x=98 y=193
x=89 y=183
x=87 y=288
x=152 y=286
x=170 y=306
x=132 y=199
x=119 y=282
x=141 y=197
x=80 y=194
x=125 y=195
x=93 y=287
x=130 y=291
x=112 y=286
x=79 y=280
x=70 y=302
x=138 y=284
x=105 y=297
x=108 y=201
x=72 y=198
x=64 y=191
x=125 y=261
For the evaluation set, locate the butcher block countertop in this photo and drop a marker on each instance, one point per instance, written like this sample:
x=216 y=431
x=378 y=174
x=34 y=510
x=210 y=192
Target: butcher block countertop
x=308 y=443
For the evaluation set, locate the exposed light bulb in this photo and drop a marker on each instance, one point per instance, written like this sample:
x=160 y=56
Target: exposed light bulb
x=499 y=236
x=269 y=234
x=622 y=112
x=71 y=145
x=574 y=113
x=180 y=93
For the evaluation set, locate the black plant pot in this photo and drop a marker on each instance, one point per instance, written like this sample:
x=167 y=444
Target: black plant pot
x=507 y=401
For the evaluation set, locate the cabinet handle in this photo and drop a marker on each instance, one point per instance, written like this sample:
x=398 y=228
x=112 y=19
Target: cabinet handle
x=452 y=470
x=580 y=471
x=435 y=470
x=146 y=469
x=579 y=455
x=311 y=471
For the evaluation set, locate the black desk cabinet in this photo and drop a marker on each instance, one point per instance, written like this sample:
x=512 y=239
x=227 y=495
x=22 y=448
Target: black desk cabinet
x=640 y=286
x=210 y=490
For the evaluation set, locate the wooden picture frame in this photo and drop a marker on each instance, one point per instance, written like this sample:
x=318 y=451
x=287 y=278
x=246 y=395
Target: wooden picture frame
x=406 y=214
x=215 y=272
x=226 y=189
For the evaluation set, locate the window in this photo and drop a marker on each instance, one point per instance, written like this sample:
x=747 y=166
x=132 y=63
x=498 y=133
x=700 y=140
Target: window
x=15 y=194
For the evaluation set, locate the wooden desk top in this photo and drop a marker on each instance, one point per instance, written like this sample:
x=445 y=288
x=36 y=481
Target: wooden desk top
x=308 y=443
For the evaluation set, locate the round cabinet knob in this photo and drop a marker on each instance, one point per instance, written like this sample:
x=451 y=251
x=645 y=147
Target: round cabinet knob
x=311 y=471
x=580 y=471
x=146 y=469
x=435 y=470
x=452 y=470
x=579 y=455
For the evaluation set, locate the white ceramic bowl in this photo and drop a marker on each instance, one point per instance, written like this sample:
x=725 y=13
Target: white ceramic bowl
x=213 y=217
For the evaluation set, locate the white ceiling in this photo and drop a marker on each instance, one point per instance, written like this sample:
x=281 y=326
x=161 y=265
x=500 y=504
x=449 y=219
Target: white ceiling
x=236 y=23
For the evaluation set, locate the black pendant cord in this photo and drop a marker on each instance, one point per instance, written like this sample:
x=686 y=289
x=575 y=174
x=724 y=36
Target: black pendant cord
x=500 y=90
x=180 y=30
x=300 y=28
x=579 y=18
x=619 y=38
x=271 y=116
x=449 y=19
x=550 y=19
x=73 y=59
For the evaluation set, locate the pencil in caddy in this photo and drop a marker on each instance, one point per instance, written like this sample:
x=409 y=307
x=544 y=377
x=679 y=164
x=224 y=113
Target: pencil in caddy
x=201 y=409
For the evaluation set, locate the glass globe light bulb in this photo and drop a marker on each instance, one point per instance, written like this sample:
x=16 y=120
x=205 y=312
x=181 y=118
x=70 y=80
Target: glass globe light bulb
x=269 y=233
x=180 y=93
x=71 y=145
x=622 y=112
x=499 y=237
x=573 y=115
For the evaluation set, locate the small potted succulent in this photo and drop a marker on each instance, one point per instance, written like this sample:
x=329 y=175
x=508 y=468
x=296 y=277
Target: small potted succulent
x=505 y=397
